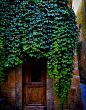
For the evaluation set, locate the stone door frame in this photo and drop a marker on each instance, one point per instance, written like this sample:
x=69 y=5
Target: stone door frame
x=18 y=89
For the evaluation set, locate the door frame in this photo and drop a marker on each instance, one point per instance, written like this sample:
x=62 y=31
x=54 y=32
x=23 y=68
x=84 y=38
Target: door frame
x=18 y=88
x=41 y=64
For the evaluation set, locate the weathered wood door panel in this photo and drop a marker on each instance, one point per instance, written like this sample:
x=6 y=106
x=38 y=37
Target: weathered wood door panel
x=34 y=83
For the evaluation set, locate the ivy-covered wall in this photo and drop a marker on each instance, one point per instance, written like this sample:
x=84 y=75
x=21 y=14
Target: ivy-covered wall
x=74 y=99
x=60 y=52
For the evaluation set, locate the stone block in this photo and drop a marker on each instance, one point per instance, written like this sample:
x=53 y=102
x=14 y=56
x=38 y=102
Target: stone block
x=9 y=100
x=75 y=81
x=49 y=105
x=82 y=58
x=19 y=97
x=47 y=76
x=49 y=80
x=6 y=79
x=72 y=105
x=18 y=70
x=9 y=86
x=19 y=87
x=55 y=98
x=79 y=90
x=75 y=58
x=77 y=98
x=76 y=71
x=75 y=52
x=70 y=98
x=6 y=94
x=10 y=72
x=19 y=79
x=49 y=95
x=55 y=105
x=13 y=100
x=49 y=84
x=11 y=78
x=75 y=64
x=12 y=93
x=72 y=91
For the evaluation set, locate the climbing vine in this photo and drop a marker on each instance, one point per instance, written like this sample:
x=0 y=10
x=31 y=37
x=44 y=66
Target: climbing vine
x=39 y=28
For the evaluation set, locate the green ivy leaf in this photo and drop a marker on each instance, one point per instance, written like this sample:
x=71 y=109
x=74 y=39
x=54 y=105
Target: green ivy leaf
x=16 y=63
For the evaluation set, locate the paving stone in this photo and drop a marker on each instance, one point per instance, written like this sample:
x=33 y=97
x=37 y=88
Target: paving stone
x=83 y=95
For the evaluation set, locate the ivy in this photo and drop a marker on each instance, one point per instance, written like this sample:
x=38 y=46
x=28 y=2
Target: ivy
x=39 y=28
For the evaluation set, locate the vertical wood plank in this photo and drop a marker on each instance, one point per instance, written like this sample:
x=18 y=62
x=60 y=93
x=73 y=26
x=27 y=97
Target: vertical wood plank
x=29 y=95
x=26 y=96
x=34 y=95
x=39 y=100
x=44 y=95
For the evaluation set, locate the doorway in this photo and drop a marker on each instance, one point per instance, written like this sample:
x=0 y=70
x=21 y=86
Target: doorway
x=34 y=84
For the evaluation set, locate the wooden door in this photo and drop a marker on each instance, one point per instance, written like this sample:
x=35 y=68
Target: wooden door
x=34 y=83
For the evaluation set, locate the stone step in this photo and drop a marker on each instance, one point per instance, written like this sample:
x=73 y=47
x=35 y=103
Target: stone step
x=35 y=108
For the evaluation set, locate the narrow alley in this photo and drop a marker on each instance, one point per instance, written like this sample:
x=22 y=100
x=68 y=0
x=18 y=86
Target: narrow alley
x=83 y=93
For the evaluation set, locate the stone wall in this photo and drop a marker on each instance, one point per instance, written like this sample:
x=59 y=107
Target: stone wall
x=12 y=88
x=18 y=87
x=83 y=51
x=49 y=92
x=8 y=88
x=83 y=48
x=74 y=99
